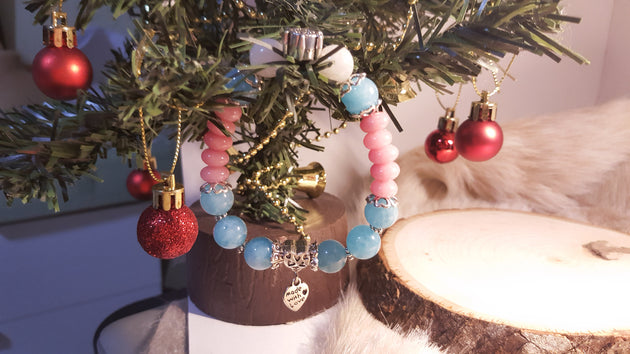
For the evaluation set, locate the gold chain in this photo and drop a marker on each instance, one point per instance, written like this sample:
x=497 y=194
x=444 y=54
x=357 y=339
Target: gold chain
x=256 y=184
x=459 y=94
x=254 y=150
x=145 y=148
x=497 y=82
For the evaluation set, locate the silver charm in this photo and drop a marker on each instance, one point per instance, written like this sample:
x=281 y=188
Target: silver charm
x=296 y=255
x=296 y=294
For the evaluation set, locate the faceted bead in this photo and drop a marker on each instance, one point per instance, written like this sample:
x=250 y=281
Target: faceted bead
x=214 y=174
x=215 y=158
x=384 y=189
x=217 y=203
x=229 y=126
x=258 y=253
x=230 y=232
x=381 y=217
x=363 y=242
x=218 y=142
x=378 y=139
x=331 y=256
x=375 y=121
x=361 y=96
x=386 y=154
x=385 y=172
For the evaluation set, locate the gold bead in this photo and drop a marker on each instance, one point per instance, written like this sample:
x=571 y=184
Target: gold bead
x=239 y=160
x=260 y=146
x=344 y=125
x=269 y=195
x=253 y=153
x=276 y=203
x=299 y=229
x=336 y=131
x=370 y=46
x=240 y=4
x=265 y=141
x=327 y=135
x=318 y=138
x=248 y=181
x=263 y=188
x=284 y=182
x=273 y=134
x=292 y=219
x=284 y=211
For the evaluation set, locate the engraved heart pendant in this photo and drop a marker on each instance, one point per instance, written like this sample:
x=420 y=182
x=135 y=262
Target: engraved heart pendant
x=296 y=294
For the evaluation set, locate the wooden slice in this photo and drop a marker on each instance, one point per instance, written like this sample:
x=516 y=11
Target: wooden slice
x=490 y=281
x=223 y=286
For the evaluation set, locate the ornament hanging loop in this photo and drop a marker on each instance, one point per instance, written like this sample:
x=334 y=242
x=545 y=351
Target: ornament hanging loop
x=497 y=82
x=147 y=152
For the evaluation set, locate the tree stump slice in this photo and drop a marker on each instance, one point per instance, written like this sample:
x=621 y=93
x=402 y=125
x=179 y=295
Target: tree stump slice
x=490 y=281
x=223 y=286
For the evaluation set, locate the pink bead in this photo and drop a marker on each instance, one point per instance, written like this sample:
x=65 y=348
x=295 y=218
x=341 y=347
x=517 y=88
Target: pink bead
x=229 y=126
x=217 y=142
x=377 y=139
x=215 y=158
x=385 y=172
x=375 y=121
x=384 y=189
x=214 y=174
x=229 y=113
x=383 y=155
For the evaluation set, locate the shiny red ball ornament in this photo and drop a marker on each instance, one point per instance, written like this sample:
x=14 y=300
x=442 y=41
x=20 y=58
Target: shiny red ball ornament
x=140 y=184
x=478 y=140
x=60 y=72
x=168 y=228
x=60 y=68
x=440 y=144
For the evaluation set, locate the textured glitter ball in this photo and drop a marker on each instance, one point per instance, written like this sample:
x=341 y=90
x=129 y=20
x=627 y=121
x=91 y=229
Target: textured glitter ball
x=167 y=234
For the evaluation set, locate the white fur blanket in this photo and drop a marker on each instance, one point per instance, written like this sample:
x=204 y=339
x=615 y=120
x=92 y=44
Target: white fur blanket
x=573 y=164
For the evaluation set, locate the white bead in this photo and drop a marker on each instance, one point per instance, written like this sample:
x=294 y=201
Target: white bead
x=261 y=55
x=342 y=64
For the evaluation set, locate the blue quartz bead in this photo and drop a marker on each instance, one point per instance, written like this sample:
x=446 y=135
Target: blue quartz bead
x=362 y=96
x=258 y=253
x=331 y=256
x=381 y=217
x=230 y=232
x=217 y=203
x=363 y=242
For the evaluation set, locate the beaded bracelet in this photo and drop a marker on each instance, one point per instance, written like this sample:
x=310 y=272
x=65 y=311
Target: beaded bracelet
x=361 y=98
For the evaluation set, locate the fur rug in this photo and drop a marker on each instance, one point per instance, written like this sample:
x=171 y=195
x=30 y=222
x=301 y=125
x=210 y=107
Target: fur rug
x=572 y=164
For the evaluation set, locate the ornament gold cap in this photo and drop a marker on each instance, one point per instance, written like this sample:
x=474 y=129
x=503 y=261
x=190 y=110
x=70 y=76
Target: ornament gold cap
x=168 y=194
x=448 y=122
x=483 y=109
x=59 y=34
x=311 y=179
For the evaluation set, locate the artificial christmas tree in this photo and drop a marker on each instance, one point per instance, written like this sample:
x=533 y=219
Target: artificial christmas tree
x=182 y=62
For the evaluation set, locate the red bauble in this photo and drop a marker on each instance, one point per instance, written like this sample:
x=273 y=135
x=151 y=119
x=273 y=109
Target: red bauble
x=140 y=184
x=167 y=234
x=440 y=146
x=478 y=140
x=60 y=72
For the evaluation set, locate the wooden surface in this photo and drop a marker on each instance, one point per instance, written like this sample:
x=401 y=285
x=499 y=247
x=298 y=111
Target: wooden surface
x=223 y=286
x=486 y=281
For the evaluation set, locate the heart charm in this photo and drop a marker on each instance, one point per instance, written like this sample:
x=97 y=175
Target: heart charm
x=296 y=294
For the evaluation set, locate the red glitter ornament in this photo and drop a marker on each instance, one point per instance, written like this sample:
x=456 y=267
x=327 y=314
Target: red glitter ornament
x=140 y=184
x=60 y=69
x=480 y=138
x=167 y=229
x=167 y=234
x=440 y=144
